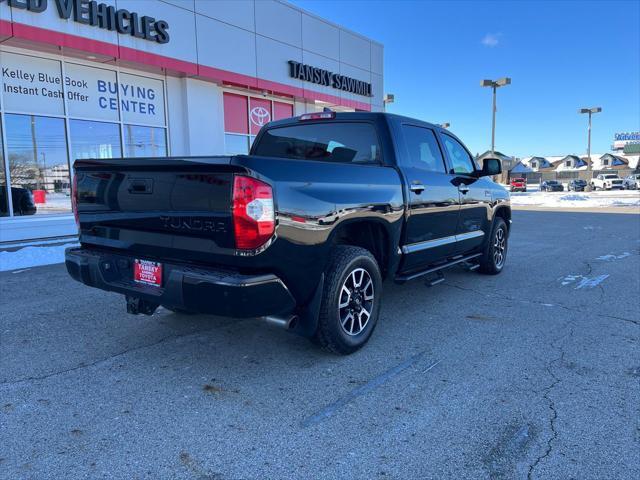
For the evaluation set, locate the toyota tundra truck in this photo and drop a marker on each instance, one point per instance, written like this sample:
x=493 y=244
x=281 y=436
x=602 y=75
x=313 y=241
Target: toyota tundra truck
x=301 y=232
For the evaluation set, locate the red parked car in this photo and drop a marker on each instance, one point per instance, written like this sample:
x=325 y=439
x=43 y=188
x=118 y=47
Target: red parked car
x=518 y=184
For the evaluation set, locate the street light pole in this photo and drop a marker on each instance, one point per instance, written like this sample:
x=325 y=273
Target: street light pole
x=493 y=123
x=589 y=143
x=388 y=98
x=501 y=82
x=589 y=111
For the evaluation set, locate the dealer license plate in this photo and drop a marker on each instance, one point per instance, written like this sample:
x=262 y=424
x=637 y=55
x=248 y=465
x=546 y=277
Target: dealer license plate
x=147 y=272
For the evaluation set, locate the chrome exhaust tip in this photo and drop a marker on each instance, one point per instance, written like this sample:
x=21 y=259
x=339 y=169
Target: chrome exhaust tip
x=286 y=323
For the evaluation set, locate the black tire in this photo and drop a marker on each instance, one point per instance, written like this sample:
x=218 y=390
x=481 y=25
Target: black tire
x=494 y=257
x=344 y=270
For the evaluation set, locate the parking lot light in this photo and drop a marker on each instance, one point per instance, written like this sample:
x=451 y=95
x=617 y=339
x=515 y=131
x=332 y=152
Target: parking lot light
x=494 y=84
x=589 y=111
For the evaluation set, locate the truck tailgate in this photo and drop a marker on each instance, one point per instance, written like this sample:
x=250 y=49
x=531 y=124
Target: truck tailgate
x=164 y=208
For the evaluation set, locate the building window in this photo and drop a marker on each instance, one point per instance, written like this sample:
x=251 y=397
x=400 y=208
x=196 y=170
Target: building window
x=244 y=116
x=37 y=157
x=4 y=194
x=236 y=144
x=94 y=139
x=144 y=141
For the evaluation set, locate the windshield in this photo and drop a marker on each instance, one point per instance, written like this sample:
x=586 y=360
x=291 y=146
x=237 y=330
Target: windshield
x=611 y=176
x=345 y=142
x=552 y=182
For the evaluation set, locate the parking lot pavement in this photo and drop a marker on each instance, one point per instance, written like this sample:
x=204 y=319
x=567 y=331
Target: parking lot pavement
x=532 y=373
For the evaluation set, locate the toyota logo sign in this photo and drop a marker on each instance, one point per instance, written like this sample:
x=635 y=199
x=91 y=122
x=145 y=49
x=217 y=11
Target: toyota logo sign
x=259 y=116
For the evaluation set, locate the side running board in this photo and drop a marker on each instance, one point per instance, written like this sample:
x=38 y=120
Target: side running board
x=422 y=273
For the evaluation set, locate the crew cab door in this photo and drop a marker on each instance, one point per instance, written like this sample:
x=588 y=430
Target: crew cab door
x=474 y=220
x=432 y=199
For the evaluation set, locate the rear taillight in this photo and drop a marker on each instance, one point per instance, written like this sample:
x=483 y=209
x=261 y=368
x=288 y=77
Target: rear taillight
x=74 y=199
x=253 y=212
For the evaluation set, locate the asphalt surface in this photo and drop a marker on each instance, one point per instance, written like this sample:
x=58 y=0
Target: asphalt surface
x=534 y=373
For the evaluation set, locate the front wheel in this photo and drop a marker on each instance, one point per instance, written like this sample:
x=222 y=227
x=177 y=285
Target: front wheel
x=495 y=254
x=350 y=300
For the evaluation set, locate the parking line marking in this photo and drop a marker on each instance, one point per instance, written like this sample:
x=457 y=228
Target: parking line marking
x=587 y=282
x=364 y=389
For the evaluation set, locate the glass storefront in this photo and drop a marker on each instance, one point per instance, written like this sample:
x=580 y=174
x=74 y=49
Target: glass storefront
x=53 y=112
x=94 y=139
x=4 y=202
x=144 y=141
x=244 y=116
x=38 y=161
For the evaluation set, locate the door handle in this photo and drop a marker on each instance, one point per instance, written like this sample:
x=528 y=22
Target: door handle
x=417 y=188
x=140 y=185
x=463 y=188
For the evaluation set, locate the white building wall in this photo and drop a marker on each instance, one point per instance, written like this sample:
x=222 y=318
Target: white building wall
x=205 y=130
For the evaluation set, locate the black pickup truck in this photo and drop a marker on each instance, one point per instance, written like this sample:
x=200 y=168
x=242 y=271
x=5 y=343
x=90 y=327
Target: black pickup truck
x=301 y=232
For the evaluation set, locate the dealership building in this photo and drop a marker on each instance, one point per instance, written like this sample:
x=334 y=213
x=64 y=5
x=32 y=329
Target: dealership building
x=138 y=78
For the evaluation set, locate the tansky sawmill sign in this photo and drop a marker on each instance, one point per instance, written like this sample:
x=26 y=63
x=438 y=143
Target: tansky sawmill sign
x=320 y=76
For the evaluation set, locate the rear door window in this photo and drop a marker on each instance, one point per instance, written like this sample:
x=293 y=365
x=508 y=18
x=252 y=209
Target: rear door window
x=342 y=142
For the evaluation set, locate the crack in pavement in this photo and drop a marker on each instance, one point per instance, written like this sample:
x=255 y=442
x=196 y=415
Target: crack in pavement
x=540 y=303
x=106 y=359
x=546 y=394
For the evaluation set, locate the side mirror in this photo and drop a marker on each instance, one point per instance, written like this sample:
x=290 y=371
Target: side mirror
x=490 y=167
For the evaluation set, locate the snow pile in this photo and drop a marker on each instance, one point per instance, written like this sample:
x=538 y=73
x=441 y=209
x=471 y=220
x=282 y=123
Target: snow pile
x=33 y=257
x=625 y=198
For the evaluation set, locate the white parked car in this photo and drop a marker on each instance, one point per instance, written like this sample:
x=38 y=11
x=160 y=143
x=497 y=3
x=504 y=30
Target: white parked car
x=606 y=181
x=631 y=182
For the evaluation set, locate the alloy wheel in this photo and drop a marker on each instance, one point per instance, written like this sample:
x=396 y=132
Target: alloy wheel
x=355 y=303
x=500 y=247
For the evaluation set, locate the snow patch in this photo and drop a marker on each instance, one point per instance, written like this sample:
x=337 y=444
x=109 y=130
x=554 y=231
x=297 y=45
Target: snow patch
x=600 y=199
x=33 y=257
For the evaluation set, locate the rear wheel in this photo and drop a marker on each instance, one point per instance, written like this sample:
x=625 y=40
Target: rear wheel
x=350 y=300
x=495 y=254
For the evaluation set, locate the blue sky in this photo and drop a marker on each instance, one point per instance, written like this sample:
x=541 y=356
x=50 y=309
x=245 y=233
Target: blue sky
x=560 y=55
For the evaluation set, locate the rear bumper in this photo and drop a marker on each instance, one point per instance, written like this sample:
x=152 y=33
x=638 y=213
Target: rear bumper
x=198 y=289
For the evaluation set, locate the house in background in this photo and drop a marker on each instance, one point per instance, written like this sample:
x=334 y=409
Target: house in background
x=520 y=170
x=572 y=163
x=537 y=163
x=608 y=161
